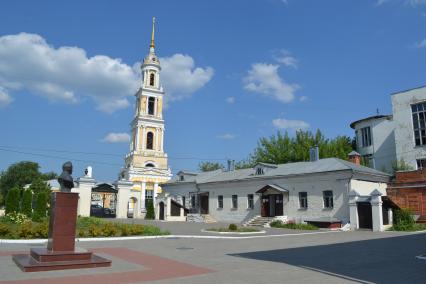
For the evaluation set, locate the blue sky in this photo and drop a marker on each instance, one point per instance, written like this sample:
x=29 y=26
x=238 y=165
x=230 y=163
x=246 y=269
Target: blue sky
x=235 y=71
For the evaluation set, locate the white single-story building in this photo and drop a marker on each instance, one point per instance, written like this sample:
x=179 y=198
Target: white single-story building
x=327 y=192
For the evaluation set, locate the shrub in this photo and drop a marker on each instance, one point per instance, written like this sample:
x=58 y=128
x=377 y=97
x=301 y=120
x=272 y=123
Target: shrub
x=276 y=223
x=40 y=230
x=403 y=220
x=15 y=218
x=232 y=227
x=40 y=209
x=94 y=231
x=26 y=206
x=4 y=230
x=110 y=229
x=137 y=229
x=25 y=231
x=12 y=200
x=150 y=214
x=292 y=225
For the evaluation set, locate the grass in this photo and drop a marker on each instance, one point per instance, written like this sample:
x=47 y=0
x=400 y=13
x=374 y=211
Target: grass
x=293 y=226
x=86 y=227
x=413 y=228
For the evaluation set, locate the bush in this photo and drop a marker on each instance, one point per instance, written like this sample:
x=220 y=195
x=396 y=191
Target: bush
x=40 y=209
x=26 y=206
x=12 y=200
x=276 y=223
x=292 y=225
x=15 y=218
x=25 y=231
x=403 y=220
x=4 y=230
x=150 y=214
x=40 y=230
x=94 y=231
x=232 y=227
x=110 y=229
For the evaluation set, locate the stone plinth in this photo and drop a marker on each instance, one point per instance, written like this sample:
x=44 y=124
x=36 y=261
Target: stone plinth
x=60 y=252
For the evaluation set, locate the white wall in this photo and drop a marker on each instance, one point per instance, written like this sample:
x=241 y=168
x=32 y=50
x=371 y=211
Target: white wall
x=404 y=134
x=364 y=188
x=382 y=145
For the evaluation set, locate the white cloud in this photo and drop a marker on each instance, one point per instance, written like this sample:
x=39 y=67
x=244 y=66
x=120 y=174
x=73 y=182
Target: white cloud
x=282 y=123
x=284 y=57
x=226 y=136
x=181 y=78
x=421 y=44
x=5 y=98
x=230 y=100
x=116 y=138
x=303 y=98
x=264 y=79
x=68 y=74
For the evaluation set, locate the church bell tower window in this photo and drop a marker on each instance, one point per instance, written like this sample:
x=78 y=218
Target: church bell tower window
x=150 y=141
x=151 y=79
x=151 y=105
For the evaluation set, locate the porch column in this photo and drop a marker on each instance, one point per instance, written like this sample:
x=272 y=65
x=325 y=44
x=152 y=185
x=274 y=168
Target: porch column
x=142 y=198
x=376 y=210
x=353 y=210
x=390 y=216
x=154 y=194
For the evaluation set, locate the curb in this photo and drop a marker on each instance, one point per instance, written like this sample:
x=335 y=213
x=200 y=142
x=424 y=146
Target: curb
x=42 y=241
x=233 y=233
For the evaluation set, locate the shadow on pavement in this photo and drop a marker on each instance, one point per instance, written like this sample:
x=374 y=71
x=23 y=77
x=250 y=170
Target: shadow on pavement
x=387 y=260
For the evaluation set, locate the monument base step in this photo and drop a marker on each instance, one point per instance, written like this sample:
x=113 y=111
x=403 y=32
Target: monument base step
x=27 y=263
x=45 y=255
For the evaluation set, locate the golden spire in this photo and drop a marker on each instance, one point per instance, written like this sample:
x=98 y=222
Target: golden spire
x=152 y=36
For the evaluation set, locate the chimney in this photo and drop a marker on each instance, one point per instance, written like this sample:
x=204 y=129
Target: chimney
x=355 y=157
x=231 y=165
x=314 y=154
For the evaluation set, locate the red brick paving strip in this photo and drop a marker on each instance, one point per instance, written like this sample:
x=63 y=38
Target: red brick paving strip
x=157 y=268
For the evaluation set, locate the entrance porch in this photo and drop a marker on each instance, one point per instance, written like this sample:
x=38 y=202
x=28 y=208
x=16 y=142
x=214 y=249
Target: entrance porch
x=272 y=200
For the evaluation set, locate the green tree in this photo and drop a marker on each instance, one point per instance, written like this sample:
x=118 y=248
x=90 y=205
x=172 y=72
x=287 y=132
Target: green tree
x=13 y=198
x=26 y=205
x=40 y=208
x=281 y=148
x=150 y=214
x=401 y=165
x=209 y=166
x=21 y=174
x=39 y=185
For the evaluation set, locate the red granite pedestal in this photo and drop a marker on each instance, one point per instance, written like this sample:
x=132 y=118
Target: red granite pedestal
x=60 y=252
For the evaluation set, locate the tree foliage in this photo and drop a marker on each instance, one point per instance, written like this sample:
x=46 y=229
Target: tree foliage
x=21 y=174
x=13 y=199
x=26 y=205
x=281 y=148
x=40 y=208
x=209 y=166
x=150 y=214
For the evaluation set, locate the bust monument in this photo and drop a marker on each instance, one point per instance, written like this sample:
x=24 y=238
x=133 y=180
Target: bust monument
x=65 y=179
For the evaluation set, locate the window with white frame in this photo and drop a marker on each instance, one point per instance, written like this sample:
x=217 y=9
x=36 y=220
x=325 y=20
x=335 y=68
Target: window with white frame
x=220 y=201
x=303 y=200
x=149 y=196
x=328 y=198
x=151 y=105
x=234 y=202
x=419 y=123
x=366 y=136
x=250 y=201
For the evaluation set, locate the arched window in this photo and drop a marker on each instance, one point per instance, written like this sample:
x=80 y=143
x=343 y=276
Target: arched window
x=151 y=79
x=150 y=141
x=150 y=165
x=151 y=105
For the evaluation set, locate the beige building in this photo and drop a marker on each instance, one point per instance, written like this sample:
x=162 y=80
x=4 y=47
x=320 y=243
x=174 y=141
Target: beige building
x=146 y=164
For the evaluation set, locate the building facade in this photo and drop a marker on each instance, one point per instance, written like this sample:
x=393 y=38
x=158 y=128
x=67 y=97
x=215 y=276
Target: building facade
x=321 y=192
x=397 y=141
x=375 y=141
x=409 y=114
x=146 y=164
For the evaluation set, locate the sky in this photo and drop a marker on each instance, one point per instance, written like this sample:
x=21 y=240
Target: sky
x=233 y=71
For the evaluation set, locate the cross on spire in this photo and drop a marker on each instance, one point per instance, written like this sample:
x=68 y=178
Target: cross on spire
x=152 y=45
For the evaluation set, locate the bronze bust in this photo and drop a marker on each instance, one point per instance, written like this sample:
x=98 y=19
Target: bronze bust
x=65 y=179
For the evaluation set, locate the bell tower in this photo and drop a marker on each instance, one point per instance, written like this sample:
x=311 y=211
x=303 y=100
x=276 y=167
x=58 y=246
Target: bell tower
x=146 y=164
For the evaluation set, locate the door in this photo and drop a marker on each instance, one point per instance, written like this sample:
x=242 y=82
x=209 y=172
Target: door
x=365 y=217
x=161 y=210
x=204 y=204
x=265 y=206
x=272 y=205
x=279 y=211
